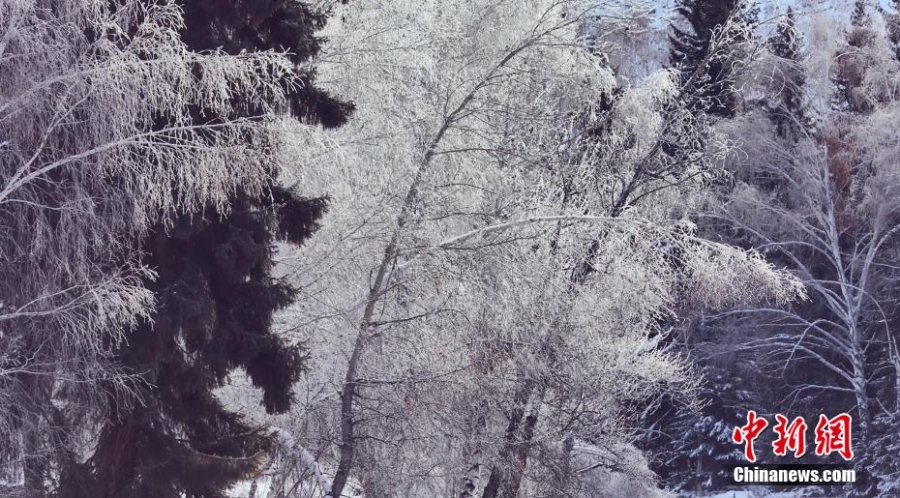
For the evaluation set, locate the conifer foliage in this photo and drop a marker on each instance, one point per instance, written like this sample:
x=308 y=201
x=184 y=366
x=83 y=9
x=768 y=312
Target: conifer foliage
x=892 y=24
x=564 y=246
x=788 y=113
x=216 y=297
x=700 y=54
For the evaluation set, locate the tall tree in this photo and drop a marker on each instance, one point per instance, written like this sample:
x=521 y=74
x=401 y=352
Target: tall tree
x=860 y=17
x=688 y=444
x=490 y=150
x=892 y=23
x=839 y=250
x=703 y=50
x=853 y=62
x=99 y=144
x=789 y=114
x=216 y=293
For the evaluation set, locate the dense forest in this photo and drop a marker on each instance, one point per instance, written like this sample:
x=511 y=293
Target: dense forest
x=459 y=248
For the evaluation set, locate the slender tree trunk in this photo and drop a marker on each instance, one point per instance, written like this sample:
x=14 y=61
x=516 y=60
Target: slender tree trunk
x=348 y=437
x=859 y=391
x=506 y=477
x=348 y=428
x=34 y=465
x=500 y=473
x=523 y=448
x=565 y=467
x=505 y=480
x=474 y=455
x=895 y=361
x=34 y=462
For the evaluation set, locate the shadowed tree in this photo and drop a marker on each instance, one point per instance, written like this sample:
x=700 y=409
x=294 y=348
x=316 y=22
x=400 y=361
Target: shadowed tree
x=216 y=294
x=892 y=24
x=103 y=144
x=702 y=51
x=788 y=113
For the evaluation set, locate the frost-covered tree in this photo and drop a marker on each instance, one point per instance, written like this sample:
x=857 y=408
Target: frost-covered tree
x=861 y=49
x=837 y=232
x=215 y=292
x=706 y=50
x=809 y=201
x=690 y=448
x=100 y=143
x=892 y=25
x=482 y=305
x=788 y=109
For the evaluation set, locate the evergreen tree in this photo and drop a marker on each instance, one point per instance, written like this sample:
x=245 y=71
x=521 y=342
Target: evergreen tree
x=706 y=66
x=789 y=114
x=697 y=443
x=692 y=448
x=880 y=461
x=216 y=299
x=852 y=61
x=282 y=25
x=859 y=17
x=892 y=23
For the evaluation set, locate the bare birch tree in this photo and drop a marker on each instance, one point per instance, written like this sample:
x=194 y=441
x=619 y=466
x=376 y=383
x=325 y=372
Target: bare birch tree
x=833 y=221
x=840 y=240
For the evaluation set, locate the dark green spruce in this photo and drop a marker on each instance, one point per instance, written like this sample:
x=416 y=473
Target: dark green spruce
x=216 y=300
x=706 y=67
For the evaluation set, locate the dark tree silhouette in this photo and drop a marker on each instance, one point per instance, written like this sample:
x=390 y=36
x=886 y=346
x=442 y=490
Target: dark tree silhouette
x=701 y=53
x=789 y=113
x=216 y=298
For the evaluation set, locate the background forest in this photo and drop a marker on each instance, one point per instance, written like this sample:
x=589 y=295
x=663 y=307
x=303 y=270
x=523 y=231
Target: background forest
x=468 y=248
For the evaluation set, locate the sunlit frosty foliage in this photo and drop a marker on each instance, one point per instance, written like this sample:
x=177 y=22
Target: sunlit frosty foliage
x=505 y=240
